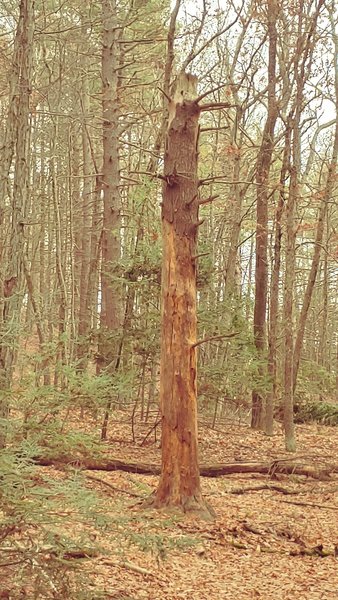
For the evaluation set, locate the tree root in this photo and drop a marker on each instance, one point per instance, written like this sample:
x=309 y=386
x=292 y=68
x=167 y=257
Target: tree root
x=192 y=505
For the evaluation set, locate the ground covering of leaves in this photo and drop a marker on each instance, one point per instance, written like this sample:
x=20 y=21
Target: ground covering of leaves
x=272 y=538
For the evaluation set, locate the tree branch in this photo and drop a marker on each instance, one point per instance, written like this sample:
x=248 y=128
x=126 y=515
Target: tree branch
x=215 y=337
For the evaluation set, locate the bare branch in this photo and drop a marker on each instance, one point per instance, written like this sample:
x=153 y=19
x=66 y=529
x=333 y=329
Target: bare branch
x=215 y=337
x=208 y=200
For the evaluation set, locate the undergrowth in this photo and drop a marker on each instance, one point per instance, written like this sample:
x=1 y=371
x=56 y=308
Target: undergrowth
x=50 y=524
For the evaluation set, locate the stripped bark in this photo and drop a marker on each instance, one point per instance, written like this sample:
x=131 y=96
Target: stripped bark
x=179 y=484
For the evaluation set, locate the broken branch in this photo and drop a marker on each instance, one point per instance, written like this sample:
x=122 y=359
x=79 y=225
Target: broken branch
x=215 y=337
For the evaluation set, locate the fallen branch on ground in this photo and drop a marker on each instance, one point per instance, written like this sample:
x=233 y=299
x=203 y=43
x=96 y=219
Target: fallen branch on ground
x=258 y=488
x=113 y=487
x=315 y=551
x=311 y=504
x=217 y=470
x=127 y=565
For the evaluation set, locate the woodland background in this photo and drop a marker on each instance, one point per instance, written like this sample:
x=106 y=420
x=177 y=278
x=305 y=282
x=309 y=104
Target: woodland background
x=81 y=208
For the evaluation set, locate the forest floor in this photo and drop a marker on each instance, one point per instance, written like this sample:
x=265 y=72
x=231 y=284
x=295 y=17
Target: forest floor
x=272 y=538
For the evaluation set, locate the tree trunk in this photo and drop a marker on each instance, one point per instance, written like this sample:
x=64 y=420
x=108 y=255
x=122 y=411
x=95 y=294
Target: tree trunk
x=302 y=58
x=60 y=261
x=329 y=188
x=153 y=162
x=110 y=243
x=179 y=484
x=111 y=305
x=18 y=131
x=84 y=315
x=262 y=178
x=238 y=193
x=290 y=442
x=274 y=291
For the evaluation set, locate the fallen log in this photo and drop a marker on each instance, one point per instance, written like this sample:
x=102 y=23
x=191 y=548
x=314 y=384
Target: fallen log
x=216 y=470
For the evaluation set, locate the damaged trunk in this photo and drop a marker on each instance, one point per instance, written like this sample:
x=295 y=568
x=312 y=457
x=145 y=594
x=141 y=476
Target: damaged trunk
x=179 y=484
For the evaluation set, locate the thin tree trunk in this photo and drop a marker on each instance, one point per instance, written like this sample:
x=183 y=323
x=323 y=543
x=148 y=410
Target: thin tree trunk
x=111 y=299
x=330 y=184
x=18 y=129
x=84 y=315
x=274 y=290
x=302 y=59
x=262 y=178
x=75 y=233
x=322 y=348
x=111 y=302
x=60 y=274
x=290 y=442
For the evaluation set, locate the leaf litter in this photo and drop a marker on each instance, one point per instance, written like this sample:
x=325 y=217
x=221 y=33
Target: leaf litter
x=273 y=538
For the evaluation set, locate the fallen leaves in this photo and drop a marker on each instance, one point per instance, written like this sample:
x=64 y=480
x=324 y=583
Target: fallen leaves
x=272 y=538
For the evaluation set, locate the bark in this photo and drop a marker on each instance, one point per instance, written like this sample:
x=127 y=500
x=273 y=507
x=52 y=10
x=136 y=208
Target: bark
x=179 y=484
x=17 y=130
x=262 y=179
x=238 y=193
x=111 y=304
x=75 y=231
x=322 y=348
x=43 y=292
x=15 y=97
x=110 y=242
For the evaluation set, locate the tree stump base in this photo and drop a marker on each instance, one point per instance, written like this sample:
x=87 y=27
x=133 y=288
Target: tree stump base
x=193 y=505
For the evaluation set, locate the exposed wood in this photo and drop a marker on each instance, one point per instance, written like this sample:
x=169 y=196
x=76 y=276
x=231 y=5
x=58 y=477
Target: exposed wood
x=179 y=484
